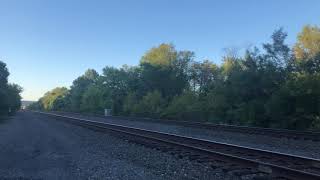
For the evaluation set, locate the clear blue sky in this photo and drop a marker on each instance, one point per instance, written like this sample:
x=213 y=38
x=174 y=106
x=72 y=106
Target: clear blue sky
x=49 y=43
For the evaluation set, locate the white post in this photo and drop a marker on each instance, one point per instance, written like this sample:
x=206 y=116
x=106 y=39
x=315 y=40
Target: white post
x=107 y=112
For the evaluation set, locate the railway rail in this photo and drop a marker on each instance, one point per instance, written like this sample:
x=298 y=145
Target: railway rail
x=271 y=132
x=239 y=160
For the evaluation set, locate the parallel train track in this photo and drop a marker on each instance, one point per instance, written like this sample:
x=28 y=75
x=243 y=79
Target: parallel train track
x=271 y=132
x=241 y=161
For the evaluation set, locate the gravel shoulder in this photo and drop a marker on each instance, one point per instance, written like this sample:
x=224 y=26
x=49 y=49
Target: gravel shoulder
x=33 y=146
x=283 y=145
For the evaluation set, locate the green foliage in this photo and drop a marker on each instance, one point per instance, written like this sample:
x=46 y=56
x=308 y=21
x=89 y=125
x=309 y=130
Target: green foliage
x=277 y=52
x=151 y=105
x=297 y=103
x=10 y=99
x=119 y=82
x=273 y=87
x=53 y=100
x=308 y=44
x=4 y=74
x=79 y=86
x=95 y=99
x=130 y=103
x=184 y=107
x=203 y=75
x=162 y=56
x=164 y=69
x=13 y=97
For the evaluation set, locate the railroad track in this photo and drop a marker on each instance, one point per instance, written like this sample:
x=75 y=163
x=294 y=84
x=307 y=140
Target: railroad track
x=239 y=160
x=278 y=133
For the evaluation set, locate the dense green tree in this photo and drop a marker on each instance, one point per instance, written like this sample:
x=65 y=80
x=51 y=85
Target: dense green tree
x=117 y=81
x=95 y=99
x=129 y=104
x=297 y=104
x=165 y=69
x=52 y=100
x=14 y=97
x=4 y=73
x=203 y=75
x=10 y=99
x=79 y=86
x=276 y=86
x=151 y=105
x=162 y=56
x=247 y=83
x=184 y=107
x=277 y=52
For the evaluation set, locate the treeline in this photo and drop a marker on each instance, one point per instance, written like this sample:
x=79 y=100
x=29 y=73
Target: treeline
x=274 y=86
x=10 y=99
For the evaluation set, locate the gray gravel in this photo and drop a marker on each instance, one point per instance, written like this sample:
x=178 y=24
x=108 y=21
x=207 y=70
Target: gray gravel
x=33 y=146
x=283 y=145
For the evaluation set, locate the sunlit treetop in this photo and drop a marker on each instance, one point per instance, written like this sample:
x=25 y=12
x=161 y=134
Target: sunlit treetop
x=163 y=55
x=308 y=44
x=91 y=74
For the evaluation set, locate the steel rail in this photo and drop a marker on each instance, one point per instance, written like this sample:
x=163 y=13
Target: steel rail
x=272 y=132
x=272 y=163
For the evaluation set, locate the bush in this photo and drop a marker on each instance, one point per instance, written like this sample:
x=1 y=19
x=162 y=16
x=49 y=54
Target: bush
x=151 y=105
x=95 y=100
x=184 y=107
x=297 y=104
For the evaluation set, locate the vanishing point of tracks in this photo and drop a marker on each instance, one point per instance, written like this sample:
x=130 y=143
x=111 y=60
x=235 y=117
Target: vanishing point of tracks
x=238 y=160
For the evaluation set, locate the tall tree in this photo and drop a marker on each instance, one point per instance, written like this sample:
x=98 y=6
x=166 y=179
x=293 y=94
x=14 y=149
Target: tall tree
x=308 y=44
x=118 y=82
x=10 y=99
x=272 y=87
x=164 y=70
x=52 y=99
x=79 y=86
x=4 y=73
x=277 y=52
x=203 y=75
x=95 y=99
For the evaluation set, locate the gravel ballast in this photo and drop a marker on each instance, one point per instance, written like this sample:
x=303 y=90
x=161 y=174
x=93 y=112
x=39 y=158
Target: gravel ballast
x=34 y=146
x=283 y=145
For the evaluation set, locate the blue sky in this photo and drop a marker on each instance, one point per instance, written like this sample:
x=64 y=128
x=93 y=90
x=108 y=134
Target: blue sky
x=49 y=43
